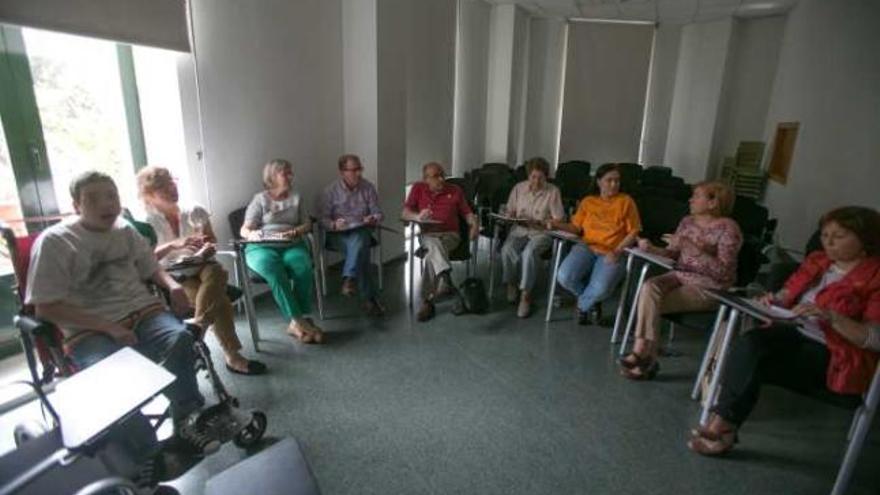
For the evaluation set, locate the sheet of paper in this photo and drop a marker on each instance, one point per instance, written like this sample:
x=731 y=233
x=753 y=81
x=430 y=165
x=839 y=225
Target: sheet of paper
x=654 y=258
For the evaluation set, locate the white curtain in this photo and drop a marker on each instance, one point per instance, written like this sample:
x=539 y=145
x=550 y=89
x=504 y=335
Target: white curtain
x=606 y=78
x=158 y=23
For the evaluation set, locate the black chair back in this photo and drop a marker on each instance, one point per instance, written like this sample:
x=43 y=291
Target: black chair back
x=660 y=215
x=496 y=168
x=468 y=187
x=654 y=175
x=493 y=188
x=236 y=220
x=573 y=180
x=751 y=217
x=630 y=177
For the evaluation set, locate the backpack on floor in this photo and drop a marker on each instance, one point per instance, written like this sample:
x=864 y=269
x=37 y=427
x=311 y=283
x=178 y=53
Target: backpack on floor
x=472 y=297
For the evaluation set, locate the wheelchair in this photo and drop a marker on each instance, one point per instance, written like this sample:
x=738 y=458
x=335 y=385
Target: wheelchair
x=47 y=362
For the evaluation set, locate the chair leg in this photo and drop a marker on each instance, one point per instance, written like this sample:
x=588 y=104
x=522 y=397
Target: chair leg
x=707 y=356
x=322 y=266
x=557 y=258
x=632 y=314
x=618 y=318
x=862 y=423
x=379 y=261
x=319 y=294
x=411 y=263
x=249 y=309
x=721 y=360
x=492 y=243
x=236 y=279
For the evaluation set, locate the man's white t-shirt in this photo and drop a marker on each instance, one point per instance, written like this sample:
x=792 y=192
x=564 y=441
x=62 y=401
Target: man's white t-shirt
x=101 y=272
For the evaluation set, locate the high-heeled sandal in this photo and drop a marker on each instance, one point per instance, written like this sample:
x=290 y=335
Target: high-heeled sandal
x=713 y=444
x=633 y=360
x=644 y=371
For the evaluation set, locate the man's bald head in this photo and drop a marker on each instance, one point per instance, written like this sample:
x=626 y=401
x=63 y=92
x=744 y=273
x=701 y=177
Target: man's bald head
x=434 y=175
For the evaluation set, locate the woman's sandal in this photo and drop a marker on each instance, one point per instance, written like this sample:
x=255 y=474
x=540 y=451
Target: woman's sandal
x=633 y=360
x=643 y=371
x=711 y=443
x=315 y=331
x=300 y=333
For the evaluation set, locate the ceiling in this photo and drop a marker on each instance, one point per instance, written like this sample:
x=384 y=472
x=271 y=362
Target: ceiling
x=665 y=11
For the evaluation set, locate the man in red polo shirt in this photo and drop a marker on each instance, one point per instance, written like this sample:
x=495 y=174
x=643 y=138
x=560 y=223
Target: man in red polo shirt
x=435 y=200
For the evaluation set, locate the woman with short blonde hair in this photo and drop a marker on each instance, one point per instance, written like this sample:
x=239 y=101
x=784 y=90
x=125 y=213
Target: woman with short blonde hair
x=279 y=213
x=705 y=247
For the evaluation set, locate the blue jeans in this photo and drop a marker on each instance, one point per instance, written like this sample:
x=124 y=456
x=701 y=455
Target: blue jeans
x=589 y=276
x=355 y=246
x=161 y=338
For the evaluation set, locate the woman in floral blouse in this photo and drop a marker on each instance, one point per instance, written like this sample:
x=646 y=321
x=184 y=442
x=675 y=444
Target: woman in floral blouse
x=705 y=246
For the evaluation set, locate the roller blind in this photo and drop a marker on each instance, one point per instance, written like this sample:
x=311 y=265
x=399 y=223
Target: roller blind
x=159 y=23
x=606 y=78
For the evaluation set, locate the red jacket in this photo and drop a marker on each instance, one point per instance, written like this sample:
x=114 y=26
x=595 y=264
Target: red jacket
x=857 y=296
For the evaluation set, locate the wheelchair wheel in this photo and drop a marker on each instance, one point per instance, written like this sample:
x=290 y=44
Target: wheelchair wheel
x=253 y=432
x=27 y=431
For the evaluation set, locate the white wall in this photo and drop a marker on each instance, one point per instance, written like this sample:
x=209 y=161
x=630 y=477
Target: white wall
x=753 y=60
x=697 y=97
x=471 y=83
x=606 y=80
x=270 y=75
x=829 y=81
x=661 y=85
x=546 y=67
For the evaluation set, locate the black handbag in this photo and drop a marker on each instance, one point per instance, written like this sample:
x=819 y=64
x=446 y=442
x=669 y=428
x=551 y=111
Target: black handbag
x=472 y=297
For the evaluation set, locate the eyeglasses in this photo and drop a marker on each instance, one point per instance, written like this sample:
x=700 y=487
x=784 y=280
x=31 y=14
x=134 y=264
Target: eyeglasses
x=356 y=169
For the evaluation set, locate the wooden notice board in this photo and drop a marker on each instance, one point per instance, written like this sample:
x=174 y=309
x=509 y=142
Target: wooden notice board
x=783 y=149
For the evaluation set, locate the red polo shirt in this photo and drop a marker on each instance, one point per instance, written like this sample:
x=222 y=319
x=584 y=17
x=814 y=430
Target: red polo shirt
x=445 y=205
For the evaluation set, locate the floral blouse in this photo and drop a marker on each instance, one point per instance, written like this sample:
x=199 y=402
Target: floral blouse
x=717 y=269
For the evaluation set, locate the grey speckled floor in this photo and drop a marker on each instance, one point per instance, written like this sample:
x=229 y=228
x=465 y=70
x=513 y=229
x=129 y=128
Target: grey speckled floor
x=493 y=404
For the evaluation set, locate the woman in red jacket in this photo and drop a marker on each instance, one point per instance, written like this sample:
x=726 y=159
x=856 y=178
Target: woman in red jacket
x=836 y=292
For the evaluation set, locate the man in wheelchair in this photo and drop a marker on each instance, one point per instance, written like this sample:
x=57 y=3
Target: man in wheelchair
x=87 y=277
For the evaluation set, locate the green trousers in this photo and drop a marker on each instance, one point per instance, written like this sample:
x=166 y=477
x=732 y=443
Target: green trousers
x=281 y=265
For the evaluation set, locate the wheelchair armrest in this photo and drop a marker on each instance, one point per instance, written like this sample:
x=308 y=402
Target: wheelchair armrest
x=33 y=326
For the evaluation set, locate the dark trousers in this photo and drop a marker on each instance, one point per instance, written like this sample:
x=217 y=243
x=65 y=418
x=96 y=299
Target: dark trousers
x=778 y=355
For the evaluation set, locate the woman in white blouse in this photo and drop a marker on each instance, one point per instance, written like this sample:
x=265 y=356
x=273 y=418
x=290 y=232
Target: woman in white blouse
x=185 y=232
x=534 y=201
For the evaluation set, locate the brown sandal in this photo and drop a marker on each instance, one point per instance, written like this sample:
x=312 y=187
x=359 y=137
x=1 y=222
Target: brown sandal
x=646 y=370
x=713 y=444
x=300 y=333
x=633 y=360
x=315 y=331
